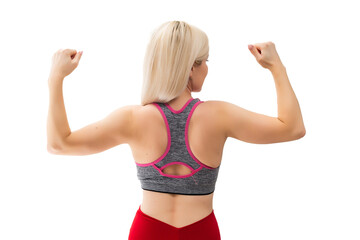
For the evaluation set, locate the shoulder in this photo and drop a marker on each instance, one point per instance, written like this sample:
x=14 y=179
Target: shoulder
x=215 y=114
x=212 y=107
x=140 y=111
x=122 y=118
x=142 y=115
x=212 y=103
x=218 y=107
x=126 y=113
x=211 y=114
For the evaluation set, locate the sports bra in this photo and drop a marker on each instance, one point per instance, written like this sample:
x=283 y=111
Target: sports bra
x=201 y=180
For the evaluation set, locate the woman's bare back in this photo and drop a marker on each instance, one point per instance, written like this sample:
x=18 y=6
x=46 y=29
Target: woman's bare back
x=206 y=140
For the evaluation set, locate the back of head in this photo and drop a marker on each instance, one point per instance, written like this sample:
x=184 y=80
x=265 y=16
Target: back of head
x=174 y=47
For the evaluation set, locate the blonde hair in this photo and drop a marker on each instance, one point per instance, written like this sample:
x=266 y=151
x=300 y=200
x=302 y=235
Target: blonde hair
x=174 y=47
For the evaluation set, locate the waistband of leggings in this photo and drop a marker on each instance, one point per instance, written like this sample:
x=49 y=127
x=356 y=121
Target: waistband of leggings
x=211 y=215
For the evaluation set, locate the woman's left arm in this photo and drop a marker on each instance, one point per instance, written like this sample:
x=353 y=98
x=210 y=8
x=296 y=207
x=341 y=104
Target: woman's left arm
x=114 y=129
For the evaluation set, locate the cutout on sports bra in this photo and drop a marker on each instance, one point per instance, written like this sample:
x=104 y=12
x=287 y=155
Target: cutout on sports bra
x=177 y=169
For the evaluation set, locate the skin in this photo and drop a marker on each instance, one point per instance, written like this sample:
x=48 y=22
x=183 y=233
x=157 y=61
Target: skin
x=143 y=128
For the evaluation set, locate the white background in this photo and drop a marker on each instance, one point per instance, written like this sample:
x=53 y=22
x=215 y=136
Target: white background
x=303 y=189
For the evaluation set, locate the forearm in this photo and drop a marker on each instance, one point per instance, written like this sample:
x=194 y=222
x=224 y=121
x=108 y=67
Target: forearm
x=57 y=123
x=288 y=106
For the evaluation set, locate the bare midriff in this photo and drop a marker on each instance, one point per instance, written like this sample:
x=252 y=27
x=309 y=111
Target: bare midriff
x=176 y=210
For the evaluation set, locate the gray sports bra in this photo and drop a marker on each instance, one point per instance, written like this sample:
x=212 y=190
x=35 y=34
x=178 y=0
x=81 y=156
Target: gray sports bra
x=201 y=180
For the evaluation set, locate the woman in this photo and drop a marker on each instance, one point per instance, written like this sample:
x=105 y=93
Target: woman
x=176 y=140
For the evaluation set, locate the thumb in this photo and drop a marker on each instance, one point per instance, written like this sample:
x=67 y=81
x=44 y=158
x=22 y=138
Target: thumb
x=254 y=51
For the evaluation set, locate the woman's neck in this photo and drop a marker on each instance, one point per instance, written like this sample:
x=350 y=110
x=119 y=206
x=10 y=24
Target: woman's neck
x=180 y=101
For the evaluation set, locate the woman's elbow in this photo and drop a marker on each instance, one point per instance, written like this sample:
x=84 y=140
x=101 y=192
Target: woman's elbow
x=301 y=133
x=54 y=149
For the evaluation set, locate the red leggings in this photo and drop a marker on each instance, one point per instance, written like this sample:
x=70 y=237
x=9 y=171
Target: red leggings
x=145 y=227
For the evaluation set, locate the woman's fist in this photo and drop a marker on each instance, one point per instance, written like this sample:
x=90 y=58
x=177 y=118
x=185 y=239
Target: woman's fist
x=64 y=61
x=265 y=54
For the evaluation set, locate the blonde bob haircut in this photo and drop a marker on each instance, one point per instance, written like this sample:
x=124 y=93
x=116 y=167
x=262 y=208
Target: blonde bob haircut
x=174 y=47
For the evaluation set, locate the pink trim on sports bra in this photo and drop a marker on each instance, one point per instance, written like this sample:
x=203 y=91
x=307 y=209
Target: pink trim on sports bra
x=168 y=144
x=180 y=110
x=169 y=164
x=177 y=176
x=193 y=171
x=186 y=137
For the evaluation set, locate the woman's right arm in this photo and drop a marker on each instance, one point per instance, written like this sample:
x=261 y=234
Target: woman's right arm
x=252 y=127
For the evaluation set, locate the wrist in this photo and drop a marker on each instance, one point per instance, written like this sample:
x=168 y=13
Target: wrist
x=55 y=78
x=277 y=69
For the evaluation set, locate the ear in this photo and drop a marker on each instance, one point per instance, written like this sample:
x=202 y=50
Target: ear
x=192 y=68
